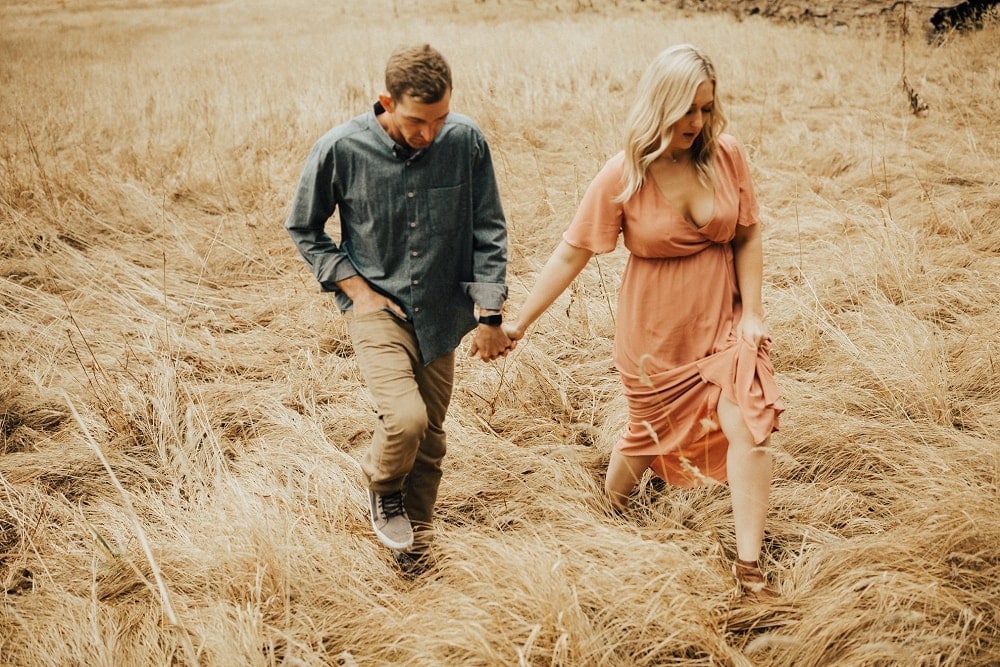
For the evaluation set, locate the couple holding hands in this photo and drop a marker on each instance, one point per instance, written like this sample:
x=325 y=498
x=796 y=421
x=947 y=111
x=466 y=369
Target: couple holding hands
x=421 y=261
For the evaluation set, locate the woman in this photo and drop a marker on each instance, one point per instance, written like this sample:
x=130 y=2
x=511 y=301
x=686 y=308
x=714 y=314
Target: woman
x=691 y=343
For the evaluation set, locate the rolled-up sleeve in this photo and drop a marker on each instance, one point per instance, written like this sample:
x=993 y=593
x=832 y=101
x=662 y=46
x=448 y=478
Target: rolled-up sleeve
x=313 y=204
x=488 y=288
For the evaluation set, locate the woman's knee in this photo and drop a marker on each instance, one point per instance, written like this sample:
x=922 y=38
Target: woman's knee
x=731 y=421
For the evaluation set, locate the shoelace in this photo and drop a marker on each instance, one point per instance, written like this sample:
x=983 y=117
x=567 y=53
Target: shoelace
x=392 y=505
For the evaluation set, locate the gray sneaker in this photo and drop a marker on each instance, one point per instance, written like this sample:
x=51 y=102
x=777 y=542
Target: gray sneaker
x=392 y=526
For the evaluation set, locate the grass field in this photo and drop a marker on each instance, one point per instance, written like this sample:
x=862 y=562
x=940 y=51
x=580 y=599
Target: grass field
x=181 y=415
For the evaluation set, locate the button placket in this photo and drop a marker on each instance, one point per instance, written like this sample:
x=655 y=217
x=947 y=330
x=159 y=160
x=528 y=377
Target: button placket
x=411 y=214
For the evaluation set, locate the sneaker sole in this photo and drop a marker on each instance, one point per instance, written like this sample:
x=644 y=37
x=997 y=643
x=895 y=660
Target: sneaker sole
x=392 y=544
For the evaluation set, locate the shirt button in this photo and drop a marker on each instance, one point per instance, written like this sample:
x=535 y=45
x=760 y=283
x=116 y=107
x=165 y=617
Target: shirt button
x=410 y=195
x=416 y=309
x=414 y=282
x=414 y=254
x=413 y=225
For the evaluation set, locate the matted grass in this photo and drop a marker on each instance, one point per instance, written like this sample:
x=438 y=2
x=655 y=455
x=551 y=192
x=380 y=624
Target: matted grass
x=181 y=416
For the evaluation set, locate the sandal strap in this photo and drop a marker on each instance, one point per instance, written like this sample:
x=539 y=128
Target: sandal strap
x=749 y=574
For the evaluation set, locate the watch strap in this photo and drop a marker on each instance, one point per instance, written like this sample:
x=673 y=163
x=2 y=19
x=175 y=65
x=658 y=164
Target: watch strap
x=491 y=320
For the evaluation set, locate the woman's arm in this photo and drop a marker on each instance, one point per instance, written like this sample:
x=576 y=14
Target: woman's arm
x=748 y=250
x=559 y=271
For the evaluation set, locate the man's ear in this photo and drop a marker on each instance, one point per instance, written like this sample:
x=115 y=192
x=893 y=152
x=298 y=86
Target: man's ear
x=385 y=99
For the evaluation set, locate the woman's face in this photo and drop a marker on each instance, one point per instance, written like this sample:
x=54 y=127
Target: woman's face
x=687 y=129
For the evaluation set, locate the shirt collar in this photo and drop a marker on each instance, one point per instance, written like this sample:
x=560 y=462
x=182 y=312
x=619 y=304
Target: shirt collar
x=398 y=151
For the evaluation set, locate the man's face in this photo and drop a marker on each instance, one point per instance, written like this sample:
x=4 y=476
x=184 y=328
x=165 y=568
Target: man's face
x=413 y=123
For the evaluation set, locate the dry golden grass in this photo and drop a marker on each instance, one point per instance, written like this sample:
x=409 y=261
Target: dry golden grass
x=181 y=416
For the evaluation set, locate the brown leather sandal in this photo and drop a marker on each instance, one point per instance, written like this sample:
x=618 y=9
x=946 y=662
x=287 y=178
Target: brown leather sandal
x=752 y=582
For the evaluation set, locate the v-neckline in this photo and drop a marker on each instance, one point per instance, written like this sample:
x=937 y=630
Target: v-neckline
x=694 y=225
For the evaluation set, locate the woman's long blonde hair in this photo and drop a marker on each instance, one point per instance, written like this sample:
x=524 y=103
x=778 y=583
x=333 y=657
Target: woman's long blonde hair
x=666 y=91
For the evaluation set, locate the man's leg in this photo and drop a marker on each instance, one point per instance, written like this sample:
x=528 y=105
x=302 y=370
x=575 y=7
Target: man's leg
x=387 y=354
x=435 y=381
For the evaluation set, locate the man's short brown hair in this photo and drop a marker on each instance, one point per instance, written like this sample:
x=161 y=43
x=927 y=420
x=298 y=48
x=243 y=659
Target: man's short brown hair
x=418 y=71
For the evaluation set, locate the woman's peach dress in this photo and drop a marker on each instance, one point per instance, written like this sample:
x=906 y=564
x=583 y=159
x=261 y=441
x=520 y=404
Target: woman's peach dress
x=678 y=307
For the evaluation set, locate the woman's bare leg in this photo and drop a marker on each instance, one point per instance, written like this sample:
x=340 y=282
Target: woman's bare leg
x=624 y=472
x=749 y=468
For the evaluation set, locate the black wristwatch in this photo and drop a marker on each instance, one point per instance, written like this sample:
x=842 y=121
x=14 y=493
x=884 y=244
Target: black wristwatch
x=491 y=320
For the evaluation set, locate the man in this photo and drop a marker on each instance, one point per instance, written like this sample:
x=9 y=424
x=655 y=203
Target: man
x=423 y=246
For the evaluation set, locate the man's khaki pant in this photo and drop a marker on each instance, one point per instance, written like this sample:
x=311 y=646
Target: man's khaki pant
x=411 y=402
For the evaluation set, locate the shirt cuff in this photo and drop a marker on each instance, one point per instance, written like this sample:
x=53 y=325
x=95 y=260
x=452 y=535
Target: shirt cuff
x=490 y=296
x=332 y=270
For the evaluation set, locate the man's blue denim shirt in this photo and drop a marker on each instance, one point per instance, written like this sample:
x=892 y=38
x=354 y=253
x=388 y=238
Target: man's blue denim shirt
x=425 y=229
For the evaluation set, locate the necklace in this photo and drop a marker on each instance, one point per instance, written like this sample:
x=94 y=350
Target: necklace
x=674 y=158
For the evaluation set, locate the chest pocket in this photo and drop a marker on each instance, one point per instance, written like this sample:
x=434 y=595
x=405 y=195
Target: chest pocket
x=447 y=209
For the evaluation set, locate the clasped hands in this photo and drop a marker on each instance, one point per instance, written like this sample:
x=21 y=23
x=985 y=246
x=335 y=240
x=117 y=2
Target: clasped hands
x=491 y=342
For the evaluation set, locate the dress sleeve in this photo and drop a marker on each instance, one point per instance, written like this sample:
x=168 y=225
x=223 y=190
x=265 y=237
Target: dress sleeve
x=749 y=207
x=598 y=219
